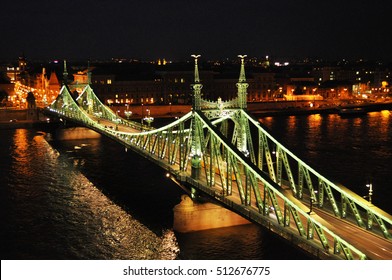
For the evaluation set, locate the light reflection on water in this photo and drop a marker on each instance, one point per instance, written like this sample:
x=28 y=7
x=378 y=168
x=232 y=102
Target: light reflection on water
x=351 y=150
x=55 y=212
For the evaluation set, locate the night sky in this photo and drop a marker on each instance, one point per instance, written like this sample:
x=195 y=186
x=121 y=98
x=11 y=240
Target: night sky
x=216 y=29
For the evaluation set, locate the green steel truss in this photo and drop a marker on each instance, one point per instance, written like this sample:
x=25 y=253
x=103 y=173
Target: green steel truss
x=91 y=107
x=305 y=183
x=89 y=102
x=226 y=173
x=225 y=153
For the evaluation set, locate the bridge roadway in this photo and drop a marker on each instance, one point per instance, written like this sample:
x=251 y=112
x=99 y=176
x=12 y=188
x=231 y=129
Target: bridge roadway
x=374 y=246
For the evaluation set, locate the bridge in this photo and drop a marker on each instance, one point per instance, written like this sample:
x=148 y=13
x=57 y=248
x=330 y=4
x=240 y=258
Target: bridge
x=220 y=151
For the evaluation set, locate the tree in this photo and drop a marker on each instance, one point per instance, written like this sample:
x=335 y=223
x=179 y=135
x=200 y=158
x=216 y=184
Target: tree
x=30 y=100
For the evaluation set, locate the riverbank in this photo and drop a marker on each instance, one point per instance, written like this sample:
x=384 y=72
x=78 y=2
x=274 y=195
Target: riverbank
x=368 y=107
x=12 y=119
x=39 y=124
x=21 y=118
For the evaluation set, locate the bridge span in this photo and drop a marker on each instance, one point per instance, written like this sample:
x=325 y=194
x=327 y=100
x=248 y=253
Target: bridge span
x=222 y=152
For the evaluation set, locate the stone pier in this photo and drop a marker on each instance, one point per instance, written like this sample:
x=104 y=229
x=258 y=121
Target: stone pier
x=190 y=216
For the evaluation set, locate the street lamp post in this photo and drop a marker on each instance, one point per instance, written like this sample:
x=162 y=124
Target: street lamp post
x=148 y=118
x=127 y=112
x=370 y=186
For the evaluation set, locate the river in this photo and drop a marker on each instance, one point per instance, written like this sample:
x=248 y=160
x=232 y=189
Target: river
x=91 y=199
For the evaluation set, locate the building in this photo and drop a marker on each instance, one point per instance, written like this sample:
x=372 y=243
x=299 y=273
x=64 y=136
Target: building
x=336 y=89
x=122 y=82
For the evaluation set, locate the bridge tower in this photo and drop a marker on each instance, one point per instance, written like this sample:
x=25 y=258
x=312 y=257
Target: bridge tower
x=65 y=73
x=196 y=132
x=241 y=119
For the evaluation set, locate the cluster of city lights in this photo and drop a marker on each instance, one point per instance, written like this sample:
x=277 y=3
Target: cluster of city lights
x=42 y=97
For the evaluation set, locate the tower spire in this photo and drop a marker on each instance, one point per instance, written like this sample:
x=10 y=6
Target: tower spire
x=196 y=124
x=243 y=128
x=197 y=79
x=196 y=87
x=242 y=85
x=65 y=73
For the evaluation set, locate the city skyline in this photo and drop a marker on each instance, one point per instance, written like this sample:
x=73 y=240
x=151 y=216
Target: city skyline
x=175 y=29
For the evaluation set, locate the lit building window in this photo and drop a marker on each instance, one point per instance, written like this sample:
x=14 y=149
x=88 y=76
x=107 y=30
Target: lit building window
x=109 y=81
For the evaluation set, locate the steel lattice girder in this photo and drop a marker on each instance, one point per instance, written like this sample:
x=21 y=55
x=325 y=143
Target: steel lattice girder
x=245 y=171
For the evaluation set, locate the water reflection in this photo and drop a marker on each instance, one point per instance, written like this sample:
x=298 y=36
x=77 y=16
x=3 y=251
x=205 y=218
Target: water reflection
x=19 y=152
x=55 y=212
x=352 y=151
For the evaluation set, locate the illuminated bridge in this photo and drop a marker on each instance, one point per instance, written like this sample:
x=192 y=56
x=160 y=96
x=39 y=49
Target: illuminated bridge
x=220 y=151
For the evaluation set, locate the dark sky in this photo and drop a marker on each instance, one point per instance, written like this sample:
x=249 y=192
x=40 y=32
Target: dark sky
x=174 y=29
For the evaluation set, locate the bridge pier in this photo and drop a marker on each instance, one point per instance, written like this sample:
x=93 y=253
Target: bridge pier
x=76 y=133
x=191 y=216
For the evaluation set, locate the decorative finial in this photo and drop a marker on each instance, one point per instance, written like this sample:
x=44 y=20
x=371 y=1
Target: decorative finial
x=197 y=79
x=242 y=72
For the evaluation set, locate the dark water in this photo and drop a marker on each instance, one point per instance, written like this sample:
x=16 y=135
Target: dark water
x=99 y=202
x=50 y=210
x=352 y=151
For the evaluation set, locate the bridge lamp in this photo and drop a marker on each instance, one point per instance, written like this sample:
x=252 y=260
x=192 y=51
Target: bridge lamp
x=148 y=119
x=246 y=153
x=370 y=186
x=128 y=114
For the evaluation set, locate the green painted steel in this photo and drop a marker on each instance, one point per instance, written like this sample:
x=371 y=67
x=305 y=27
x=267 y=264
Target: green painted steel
x=197 y=149
x=359 y=208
